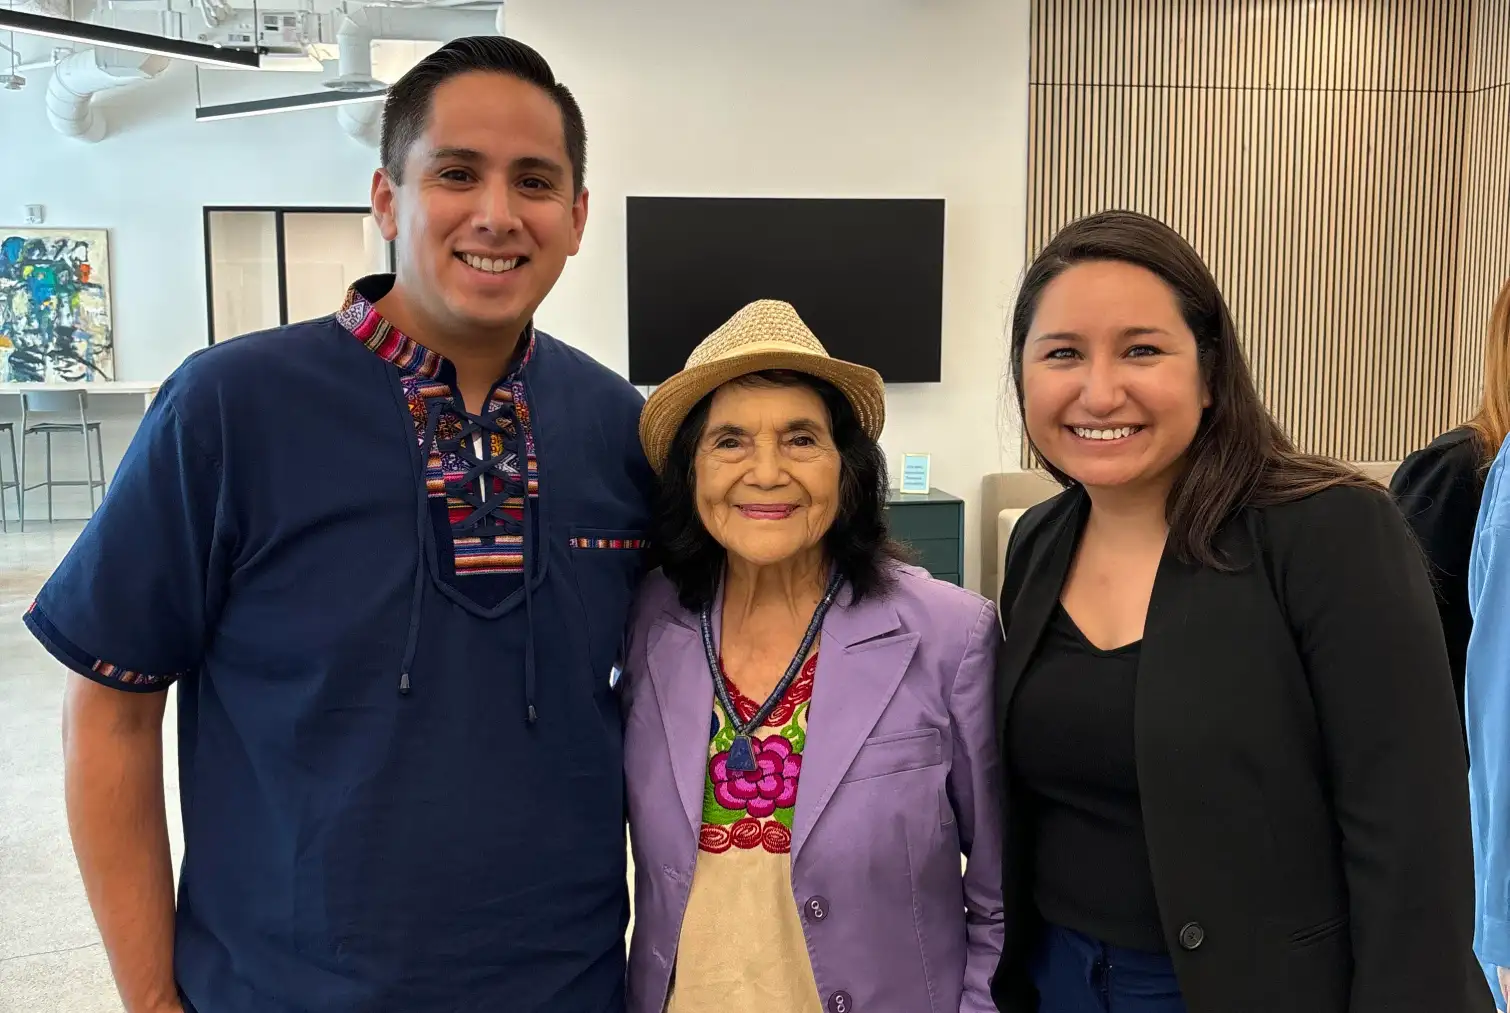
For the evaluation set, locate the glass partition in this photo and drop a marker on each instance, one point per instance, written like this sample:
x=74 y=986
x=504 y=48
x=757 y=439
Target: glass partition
x=267 y=266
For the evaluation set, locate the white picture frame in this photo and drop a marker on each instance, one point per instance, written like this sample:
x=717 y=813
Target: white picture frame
x=916 y=470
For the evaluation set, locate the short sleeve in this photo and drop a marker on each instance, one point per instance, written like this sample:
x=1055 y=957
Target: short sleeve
x=132 y=601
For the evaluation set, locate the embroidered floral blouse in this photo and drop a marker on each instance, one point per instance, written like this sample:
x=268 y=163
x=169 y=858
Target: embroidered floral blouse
x=741 y=944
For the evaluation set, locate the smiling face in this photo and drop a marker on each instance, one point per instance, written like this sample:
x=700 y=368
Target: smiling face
x=767 y=471
x=485 y=215
x=1112 y=387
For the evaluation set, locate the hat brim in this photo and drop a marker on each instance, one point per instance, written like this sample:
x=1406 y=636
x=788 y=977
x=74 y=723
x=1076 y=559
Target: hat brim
x=668 y=406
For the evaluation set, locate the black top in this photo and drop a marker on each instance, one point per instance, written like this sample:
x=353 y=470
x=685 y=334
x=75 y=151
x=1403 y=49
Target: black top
x=1071 y=746
x=1300 y=764
x=1439 y=489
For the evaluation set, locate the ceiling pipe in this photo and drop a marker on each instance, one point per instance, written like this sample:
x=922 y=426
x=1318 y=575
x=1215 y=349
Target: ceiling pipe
x=80 y=77
x=354 y=38
x=363 y=121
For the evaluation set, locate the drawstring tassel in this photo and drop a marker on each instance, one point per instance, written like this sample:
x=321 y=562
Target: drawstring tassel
x=533 y=717
x=403 y=683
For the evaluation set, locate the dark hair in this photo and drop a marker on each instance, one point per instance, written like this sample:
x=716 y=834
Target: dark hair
x=857 y=543
x=406 y=110
x=1240 y=456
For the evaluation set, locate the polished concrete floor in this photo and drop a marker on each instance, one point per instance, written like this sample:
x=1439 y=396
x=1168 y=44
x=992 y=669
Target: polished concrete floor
x=50 y=952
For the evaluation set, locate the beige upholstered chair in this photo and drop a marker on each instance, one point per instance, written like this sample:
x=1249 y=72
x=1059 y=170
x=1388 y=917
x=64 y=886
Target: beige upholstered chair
x=1005 y=496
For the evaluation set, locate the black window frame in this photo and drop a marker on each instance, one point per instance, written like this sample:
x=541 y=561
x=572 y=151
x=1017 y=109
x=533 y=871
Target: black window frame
x=278 y=211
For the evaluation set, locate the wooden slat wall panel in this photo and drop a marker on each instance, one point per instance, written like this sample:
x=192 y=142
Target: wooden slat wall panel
x=1379 y=44
x=1320 y=155
x=1484 y=222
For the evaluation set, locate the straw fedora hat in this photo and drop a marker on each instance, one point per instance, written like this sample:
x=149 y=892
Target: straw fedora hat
x=766 y=334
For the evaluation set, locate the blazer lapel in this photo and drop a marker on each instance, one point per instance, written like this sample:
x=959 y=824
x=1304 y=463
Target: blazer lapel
x=1032 y=601
x=861 y=662
x=684 y=690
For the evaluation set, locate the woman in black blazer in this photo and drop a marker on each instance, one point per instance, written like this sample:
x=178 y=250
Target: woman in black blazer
x=1236 y=780
x=1440 y=487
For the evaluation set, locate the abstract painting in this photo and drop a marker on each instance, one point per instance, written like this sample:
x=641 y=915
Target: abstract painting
x=55 y=305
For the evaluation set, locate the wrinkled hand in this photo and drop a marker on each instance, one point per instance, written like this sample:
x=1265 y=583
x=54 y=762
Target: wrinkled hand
x=1503 y=999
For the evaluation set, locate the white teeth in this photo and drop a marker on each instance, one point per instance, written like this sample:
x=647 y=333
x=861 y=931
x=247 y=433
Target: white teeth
x=490 y=265
x=1105 y=434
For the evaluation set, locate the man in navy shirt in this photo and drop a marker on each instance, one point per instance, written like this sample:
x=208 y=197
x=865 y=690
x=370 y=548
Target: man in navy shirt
x=387 y=558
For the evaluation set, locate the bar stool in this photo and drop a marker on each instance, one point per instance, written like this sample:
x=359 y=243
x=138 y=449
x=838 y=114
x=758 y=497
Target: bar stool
x=14 y=482
x=56 y=406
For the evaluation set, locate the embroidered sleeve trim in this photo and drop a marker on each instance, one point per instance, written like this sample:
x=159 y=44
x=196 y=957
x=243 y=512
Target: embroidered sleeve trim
x=96 y=669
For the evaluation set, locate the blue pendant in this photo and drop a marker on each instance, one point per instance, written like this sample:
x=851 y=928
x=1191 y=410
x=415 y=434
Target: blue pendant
x=741 y=756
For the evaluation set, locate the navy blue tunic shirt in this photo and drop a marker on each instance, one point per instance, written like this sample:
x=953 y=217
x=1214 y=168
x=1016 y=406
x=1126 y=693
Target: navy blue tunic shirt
x=272 y=542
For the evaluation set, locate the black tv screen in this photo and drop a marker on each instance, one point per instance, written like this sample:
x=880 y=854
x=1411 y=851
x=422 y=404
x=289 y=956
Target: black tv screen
x=866 y=275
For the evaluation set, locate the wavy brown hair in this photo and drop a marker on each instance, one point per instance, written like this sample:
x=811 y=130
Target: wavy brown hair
x=1240 y=456
x=1492 y=423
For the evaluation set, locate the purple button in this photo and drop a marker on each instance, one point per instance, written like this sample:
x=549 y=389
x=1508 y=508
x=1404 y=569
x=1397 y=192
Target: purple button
x=840 y=1002
x=816 y=908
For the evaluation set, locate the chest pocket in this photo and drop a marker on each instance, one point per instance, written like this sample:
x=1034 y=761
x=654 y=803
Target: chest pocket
x=896 y=753
x=607 y=565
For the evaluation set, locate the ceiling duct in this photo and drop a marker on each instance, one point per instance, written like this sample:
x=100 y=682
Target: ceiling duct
x=80 y=77
x=363 y=25
x=363 y=121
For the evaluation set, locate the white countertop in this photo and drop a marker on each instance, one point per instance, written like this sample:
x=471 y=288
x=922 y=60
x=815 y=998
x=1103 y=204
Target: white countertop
x=92 y=386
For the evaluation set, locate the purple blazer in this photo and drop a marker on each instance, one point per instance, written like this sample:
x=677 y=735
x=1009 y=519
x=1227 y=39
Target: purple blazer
x=900 y=778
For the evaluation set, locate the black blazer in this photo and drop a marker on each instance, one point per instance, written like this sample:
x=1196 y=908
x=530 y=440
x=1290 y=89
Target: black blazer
x=1439 y=489
x=1304 y=789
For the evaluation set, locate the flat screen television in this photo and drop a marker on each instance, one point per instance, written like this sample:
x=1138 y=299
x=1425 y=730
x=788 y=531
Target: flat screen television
x=867 y=275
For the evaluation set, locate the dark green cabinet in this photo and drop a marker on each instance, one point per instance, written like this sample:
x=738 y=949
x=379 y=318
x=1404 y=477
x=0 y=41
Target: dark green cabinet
x=932 y=524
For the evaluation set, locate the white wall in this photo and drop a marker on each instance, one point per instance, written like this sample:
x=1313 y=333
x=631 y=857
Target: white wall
x=148 y=183
x=789 y=97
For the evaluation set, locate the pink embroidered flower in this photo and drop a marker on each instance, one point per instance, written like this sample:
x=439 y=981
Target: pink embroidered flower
x=771 y=786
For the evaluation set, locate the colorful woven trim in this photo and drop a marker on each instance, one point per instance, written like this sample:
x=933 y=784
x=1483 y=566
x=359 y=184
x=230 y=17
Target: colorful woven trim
x=85 y=663
x=610 y=543
x=420 y=368
x=360 y=316
x=499 y=554
x=115 y=673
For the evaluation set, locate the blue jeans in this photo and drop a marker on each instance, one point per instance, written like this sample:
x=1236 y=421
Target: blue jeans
x=1077 y=974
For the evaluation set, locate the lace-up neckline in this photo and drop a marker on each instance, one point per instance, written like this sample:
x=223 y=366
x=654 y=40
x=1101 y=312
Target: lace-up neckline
x=485 y=498
x=478 y=493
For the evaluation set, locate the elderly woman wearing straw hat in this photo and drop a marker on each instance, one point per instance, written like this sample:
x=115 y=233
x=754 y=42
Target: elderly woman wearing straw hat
x=809 y=743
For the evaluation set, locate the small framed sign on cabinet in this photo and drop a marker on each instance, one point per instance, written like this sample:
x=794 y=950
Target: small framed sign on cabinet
x=915 y=468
